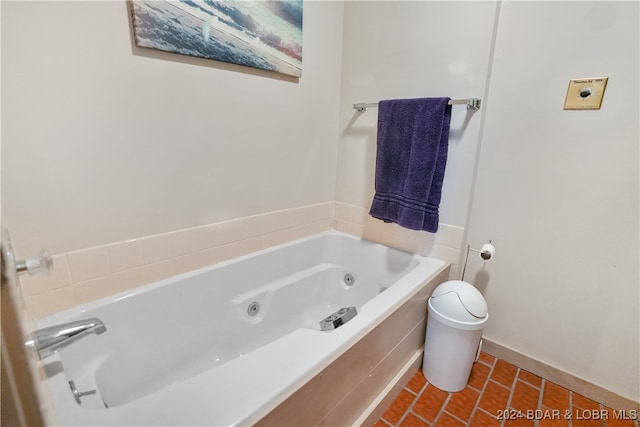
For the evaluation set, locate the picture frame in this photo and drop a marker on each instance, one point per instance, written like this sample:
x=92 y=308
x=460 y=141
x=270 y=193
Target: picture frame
x=261 y=34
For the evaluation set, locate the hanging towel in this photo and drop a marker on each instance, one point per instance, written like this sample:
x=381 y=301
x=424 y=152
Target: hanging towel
x=413 y=140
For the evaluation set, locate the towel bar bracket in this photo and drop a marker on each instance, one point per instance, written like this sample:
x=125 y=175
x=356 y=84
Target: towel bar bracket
x=473 y=104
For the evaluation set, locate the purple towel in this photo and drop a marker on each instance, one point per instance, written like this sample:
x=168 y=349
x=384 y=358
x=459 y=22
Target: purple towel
x=413 y=140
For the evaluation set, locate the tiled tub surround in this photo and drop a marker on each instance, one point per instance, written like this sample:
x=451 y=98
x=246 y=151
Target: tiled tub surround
x=89 y=274
x=224 y=347
x=445 y=244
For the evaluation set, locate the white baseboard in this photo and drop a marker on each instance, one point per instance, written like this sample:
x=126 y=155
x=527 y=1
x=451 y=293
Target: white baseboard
x=559 y=377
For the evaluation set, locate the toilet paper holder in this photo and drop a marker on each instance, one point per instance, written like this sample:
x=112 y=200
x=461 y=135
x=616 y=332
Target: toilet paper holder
x=486 y=254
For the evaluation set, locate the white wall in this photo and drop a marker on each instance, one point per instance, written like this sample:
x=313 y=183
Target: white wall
x=102 y=143
x=557 y=191
x=410 y=50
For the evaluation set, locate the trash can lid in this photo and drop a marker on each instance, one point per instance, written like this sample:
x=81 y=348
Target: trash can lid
x=458 y=300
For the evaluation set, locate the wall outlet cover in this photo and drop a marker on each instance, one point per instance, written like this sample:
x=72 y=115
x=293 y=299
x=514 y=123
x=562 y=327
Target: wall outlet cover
x=585 y=94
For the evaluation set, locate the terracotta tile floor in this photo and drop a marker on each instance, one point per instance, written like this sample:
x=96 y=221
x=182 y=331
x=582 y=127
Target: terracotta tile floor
x=498 y=394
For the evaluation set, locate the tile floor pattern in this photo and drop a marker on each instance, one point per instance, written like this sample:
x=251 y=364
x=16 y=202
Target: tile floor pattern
x=498 y=394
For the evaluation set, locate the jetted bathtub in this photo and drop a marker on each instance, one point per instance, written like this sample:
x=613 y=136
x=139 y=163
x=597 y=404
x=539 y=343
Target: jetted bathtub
x=227 y=344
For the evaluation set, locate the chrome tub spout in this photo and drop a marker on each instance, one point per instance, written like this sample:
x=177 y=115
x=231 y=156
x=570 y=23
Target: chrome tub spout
x=48 y=341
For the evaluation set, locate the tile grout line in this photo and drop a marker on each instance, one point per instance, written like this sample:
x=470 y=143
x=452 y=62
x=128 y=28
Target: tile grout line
x=413 y=402
x=419 y=417
x=484 y=387
x=444 y=405
x=536 y=422
x=410 y=408
x=543 y=386
x=495 y=362
x=456 y=418
x=570 y=408
x=512 y=390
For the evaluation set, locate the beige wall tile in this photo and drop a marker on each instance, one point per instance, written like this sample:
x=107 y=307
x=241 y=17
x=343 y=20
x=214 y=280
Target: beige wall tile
x=357 y=230
x=320 y=212
x=186 y=263
x=183 y=242
x=342 y=226
x=156 y=248
x=359 y=215
x=422 y=243
x=343 y=211
x=93 y=289
x=207 y=237
x=230 y=231
x=255 y=244
x=88 y=264
x=448 y=254
x=449 y=235
x=158 y=271
x=125 y=255
x=293 y=233
x=289 y=218
x=211 y=256
x=233 y=250
x=128 y=279
x=51 y=302
x=38 y=284
x=258 y=225
x=317 y=227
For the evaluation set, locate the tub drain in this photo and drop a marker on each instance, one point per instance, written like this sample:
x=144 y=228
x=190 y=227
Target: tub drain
x=349 y=280
x=253 y=308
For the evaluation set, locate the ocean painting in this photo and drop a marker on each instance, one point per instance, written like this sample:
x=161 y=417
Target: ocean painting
x=263 y=34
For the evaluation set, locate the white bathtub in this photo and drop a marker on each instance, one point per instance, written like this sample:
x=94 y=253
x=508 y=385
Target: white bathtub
x=185 y=351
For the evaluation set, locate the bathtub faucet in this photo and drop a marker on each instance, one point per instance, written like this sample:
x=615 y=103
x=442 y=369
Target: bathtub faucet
x=49 y=340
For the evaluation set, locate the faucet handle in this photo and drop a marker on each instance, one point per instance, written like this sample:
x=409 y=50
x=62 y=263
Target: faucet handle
x=41 y=263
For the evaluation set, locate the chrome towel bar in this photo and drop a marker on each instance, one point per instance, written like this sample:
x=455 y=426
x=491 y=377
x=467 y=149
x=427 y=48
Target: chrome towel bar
x=472 y=104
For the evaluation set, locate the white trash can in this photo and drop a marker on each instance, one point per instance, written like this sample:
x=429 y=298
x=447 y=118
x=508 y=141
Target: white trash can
x=457 y=314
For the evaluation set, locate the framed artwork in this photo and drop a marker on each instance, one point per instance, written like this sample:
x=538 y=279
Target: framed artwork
x=264 y=34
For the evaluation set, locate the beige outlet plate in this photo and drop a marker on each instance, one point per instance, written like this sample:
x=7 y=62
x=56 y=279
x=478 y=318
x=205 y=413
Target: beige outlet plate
x=585 y=94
